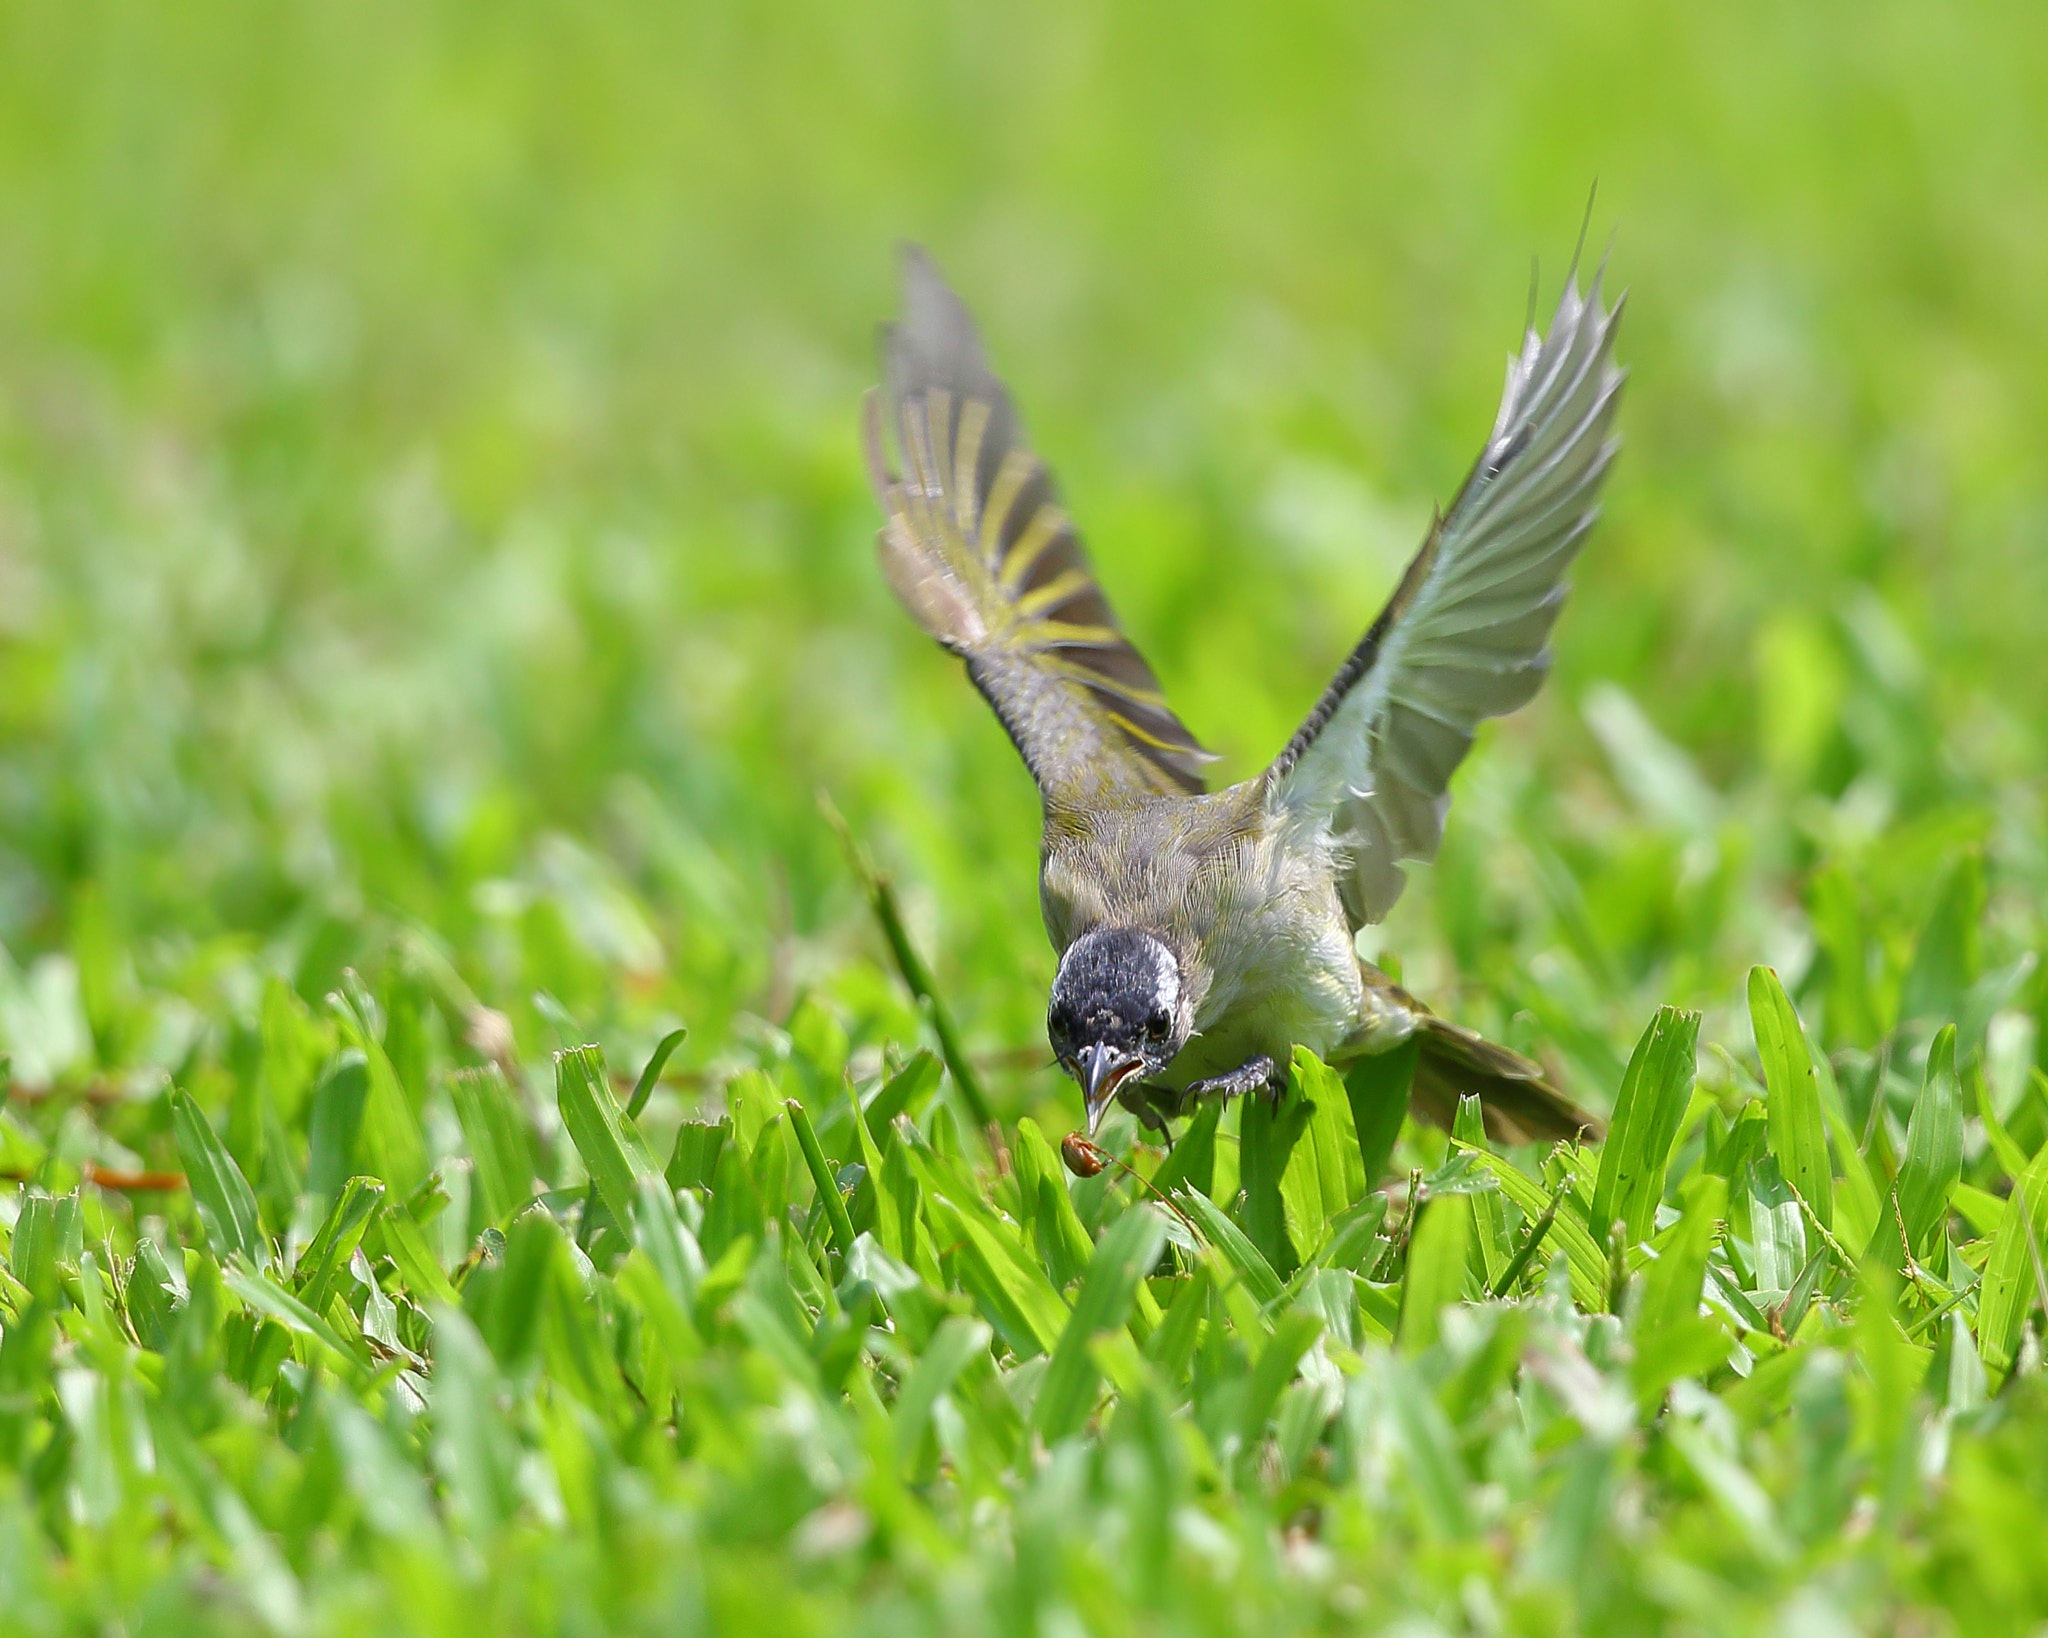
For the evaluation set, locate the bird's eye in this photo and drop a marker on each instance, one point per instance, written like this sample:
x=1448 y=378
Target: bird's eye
x=1158 y=1024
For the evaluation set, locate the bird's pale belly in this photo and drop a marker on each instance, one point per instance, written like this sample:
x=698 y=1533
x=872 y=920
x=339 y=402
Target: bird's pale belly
x=1316 y=1004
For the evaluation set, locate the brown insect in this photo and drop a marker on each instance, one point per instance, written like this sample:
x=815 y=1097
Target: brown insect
x=1083 y=1158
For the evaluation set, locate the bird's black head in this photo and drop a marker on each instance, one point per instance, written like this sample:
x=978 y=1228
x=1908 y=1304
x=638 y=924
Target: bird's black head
x=1117 y=1011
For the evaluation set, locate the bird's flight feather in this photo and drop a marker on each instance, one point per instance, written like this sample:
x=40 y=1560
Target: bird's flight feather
x=1464 y=635
x=979 y=549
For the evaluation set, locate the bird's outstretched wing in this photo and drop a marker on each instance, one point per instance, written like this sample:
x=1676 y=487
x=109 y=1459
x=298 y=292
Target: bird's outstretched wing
x=1464 y=635
x=981 y=552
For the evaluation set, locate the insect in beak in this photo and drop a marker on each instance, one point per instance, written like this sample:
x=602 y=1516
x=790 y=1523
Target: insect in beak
x=1101 y=1070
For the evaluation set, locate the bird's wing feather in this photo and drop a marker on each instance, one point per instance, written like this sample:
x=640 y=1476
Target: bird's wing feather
x=1464 y=635
x=979 y=549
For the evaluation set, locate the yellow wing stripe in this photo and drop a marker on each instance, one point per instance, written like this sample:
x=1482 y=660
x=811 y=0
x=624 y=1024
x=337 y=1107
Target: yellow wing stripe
x=1018 y=468
x=1095 y=682
x=1041 y=600
x=1060 y=634
x=974 y=419
x=1045 y=527
x=1136 y=732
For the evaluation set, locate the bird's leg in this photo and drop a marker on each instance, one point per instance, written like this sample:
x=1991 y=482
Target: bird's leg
x=1157 y=1122
x=1150 y=1115
x=1253 y=1075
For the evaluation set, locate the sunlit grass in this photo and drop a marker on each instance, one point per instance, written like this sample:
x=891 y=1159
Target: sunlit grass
x=436 y=584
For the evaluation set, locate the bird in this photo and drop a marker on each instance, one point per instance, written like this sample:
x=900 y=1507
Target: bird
x=1203 y=935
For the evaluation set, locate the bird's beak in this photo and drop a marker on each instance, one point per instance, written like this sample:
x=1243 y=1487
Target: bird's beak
x=1101 y=1070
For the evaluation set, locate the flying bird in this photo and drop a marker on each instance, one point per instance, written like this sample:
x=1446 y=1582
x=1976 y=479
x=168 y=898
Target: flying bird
x=1202 y=935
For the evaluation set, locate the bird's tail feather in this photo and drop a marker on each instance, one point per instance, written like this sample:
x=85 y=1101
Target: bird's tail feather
x=1520 y=1104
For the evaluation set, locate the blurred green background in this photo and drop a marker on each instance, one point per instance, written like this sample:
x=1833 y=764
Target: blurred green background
x=430 y=502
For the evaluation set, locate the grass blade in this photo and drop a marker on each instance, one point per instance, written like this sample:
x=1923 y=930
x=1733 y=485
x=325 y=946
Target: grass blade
x=321 y=1264
x=496 y=1134
x=956 y=1342
x=881 y=897
x=1325 y=1173
x=1672 y=1338
x=1934 y=1147
x=338 y=1100
x=612 y=1149
x=1588 y=1263
x=1048 y=1209
x=643 y=1089
x=1489 y=1217
x=1437 y=1258
x=1777 y=1229
x=1268 y=1137
x=1377 y=1088
x=2013 y=1269
x=1797 y=1133
x=1294 y=1333
x=1122 y=1258
x=1192 y=1165
x=905 y=1092
x=227 y=1205
x=291 y=1313
x=830 y=1200
x=1257 y=1274
x=1654 y=1093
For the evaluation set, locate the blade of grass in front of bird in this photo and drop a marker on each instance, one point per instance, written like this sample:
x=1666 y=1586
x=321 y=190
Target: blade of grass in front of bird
x=1672 y=1338
x=1122 y=1258
x=989 y=1253
x=1655 y=1090
x=1568 y=1229
x=1438 y=1255
x=1268 y=1136
x=1294 y=1333
x=1377 y=1088
x=1237 y=1250
x=1489 y=1215
x=1325 y=1173
x=957 y=1341
x=1050 y=1218
x=1192 y=1165
x=1796 y=1132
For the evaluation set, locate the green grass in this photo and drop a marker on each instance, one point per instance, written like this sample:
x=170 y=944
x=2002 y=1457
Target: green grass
x=436 y=584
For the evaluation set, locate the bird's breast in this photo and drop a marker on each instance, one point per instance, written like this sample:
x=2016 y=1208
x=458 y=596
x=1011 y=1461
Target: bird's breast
x=1284 y=971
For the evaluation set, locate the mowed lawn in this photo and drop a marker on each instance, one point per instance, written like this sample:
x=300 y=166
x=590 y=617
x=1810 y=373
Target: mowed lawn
x=437 y=589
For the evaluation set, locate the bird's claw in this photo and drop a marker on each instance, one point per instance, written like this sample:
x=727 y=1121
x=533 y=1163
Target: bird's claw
x=1253 y=1075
